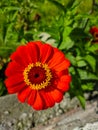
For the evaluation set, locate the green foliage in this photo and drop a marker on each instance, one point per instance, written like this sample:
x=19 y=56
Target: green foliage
x=63 y=24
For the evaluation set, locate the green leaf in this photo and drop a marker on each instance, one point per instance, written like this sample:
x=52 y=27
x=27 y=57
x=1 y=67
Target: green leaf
x=93 y=48
x=5 y=51
x=82 y=101
x=81 y=63
x=67 y=43
x=76 y=90
x=91 y=61
x=11 y=36
x=72 y=70
x=88 y=86
x=70 y=3
x=76 y=4
x=77 y=34
x=67 y=31
x=59 y=5
x=2 y=88
x=71 y=58
x=12 y=8
x=85 y=75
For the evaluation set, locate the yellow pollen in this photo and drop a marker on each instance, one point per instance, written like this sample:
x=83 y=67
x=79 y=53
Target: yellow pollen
x=42 y=85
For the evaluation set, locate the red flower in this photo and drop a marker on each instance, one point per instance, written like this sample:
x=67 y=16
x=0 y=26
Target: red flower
x=94 y=32
x=39 y=74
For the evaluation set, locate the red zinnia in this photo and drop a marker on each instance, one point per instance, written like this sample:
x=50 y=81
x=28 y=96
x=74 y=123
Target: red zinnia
x=94 y=32
x=39 y=74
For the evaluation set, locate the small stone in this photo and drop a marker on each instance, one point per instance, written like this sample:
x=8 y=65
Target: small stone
x=14 y=121
x=57 y=114
x=9 y=124
x=60 y=111
x=19 y=125
x=23 y=116
x=51 y=116
x=28 y=124
x=6 y=112
x=30 y=115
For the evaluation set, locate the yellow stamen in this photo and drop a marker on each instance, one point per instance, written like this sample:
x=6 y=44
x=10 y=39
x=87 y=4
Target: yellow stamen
x=44 y=83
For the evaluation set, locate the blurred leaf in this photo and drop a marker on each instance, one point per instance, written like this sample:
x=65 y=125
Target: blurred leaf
x=72 y=70
x=10 y=37
x=88 y=87
x=67 y=43
x=71 y=58
x=82 y=100
x=76 y=4
x=70 y=4
x=1 y=89
x=91 y=61
x=12 y=8
x=77 y=34
x=93 y=48
x=85 y=75
x=5 y=51
x=66 y=32
x=59 y=5
x=81 y=63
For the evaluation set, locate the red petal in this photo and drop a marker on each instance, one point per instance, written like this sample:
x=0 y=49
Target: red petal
x=63 y=72
x=24 y=94
x=14 y=80
x=48 y=99
x=93 y=30
x=38 y=103
x=38 y=43
x=16 y=88
x=65 y=78
x=22 y=56
x=64 y=82
x=56 y=59
x=32 y=97
x=34 y=51
x=13 y=68
x=62 y=66
x=63 y=86
x=46 y=52
x=59 y=61
x=57 y=95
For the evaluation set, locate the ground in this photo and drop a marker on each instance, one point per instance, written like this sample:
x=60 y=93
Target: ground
x=68 y=115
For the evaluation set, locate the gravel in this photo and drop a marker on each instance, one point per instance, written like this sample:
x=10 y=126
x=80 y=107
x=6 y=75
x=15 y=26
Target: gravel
x=17 y=116
x=88 y=126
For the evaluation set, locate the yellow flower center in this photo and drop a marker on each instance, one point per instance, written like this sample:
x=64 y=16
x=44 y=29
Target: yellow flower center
x=38 y=76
